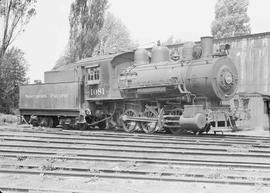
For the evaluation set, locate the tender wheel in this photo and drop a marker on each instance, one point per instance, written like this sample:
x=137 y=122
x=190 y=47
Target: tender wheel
x=104 y=125
x=149 y=127
x=50 y=122
x=129 y=126
x=46 y=122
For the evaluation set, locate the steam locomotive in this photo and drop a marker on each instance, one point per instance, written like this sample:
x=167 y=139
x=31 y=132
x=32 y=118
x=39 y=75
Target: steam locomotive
x=137 y=90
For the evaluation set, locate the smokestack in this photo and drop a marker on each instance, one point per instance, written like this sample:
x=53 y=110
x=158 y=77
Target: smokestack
x=207 y=46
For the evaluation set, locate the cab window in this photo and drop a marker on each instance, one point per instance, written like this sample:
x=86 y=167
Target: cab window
x=93 y=74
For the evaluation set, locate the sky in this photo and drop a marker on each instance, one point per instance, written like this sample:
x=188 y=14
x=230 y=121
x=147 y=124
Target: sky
x=46 y=36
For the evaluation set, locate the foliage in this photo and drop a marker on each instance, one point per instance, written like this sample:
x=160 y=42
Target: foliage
x=8 y=119
x=113 y=36
x=231 y=18
x=86 y=20
x=171 y=40
x=12 y=74
x=14 y=15
x=65 y=59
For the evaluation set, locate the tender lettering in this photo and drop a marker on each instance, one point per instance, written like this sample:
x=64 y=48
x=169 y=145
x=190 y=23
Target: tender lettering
x=45 y=96
x=40 y=96
x=57 y=96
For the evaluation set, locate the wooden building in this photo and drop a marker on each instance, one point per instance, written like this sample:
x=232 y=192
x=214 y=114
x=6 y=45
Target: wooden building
x=251 y=54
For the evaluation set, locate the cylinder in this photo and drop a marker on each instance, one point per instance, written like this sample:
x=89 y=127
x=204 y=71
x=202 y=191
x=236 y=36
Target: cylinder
x=193 y=123
x=141 y=57
x=207 y=46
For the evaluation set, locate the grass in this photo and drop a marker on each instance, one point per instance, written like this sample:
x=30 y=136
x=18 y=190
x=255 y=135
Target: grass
x=8 y=119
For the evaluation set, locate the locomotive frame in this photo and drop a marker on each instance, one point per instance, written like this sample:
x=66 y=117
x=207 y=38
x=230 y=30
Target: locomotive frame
x=119 y=90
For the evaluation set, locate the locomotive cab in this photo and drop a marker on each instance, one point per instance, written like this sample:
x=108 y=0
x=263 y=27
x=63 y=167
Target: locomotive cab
x=101 y=90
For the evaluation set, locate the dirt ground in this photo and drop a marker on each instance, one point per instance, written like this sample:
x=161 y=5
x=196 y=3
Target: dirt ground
x=120 y=186
x=245 y=131
x=41 y=183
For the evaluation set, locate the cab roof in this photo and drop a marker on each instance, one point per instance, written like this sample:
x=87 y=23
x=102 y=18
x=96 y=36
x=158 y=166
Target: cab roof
x=86 y=61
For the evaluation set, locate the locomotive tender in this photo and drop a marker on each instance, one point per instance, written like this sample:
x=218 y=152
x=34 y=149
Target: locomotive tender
x=136 y=90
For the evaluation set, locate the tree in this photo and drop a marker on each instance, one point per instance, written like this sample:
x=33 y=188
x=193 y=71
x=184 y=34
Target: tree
x=12 y=74
x=86 y=20
x=65 y=59
x=14 y=15
x=113 y=36
x=231 y=19
x=171 y=40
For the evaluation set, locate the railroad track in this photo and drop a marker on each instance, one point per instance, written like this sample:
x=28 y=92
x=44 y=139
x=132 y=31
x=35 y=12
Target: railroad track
x=122 y=157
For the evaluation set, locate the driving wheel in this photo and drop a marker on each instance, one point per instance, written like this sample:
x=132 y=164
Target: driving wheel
x=149 y=127
x=129 y=126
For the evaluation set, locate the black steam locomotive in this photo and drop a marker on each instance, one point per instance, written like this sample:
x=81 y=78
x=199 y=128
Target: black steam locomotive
x=148 y=90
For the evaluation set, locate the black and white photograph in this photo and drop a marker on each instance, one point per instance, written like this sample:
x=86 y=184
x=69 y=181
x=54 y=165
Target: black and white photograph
x=134 y=96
